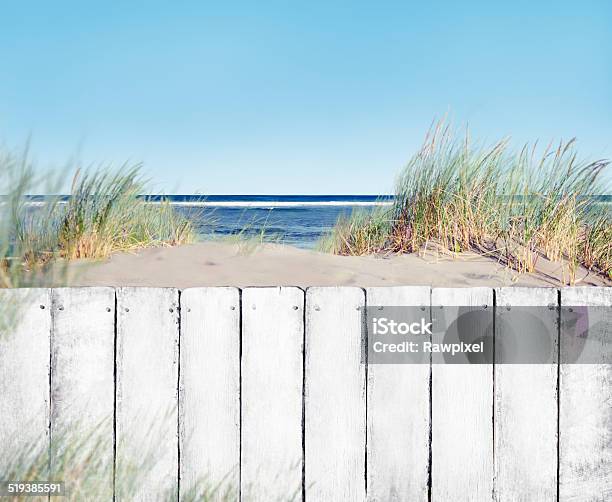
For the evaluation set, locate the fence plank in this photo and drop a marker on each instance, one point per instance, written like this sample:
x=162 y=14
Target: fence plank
x=398 y=414
x=209 y=402
x=585 y=419
x=462 y=405
x=81 y=340
x=24 y=372
x=335 y=408
x=272 y=386
x=147 y=381
x=82 y=374
x=525 y=399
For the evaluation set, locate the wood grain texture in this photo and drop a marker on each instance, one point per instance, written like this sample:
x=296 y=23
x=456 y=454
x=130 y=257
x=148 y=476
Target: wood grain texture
x=82 y=374
x=24 y=373
x=335 y=406
x=462 y=407
x=272 y=384
x=585 y=412
x=56 y=369
x=147 y=384
x=209 y=402
x=398 y=414
x=526 y=399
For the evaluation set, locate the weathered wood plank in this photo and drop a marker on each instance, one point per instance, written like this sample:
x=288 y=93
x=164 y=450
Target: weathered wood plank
x=82 y=375
x=272 y=384
x=335 y=407
x=585 y=407
x=526 y=395
x=147 y=385
x=462 y=402
x=398 y=414
x=209 y=401
x=24 y=374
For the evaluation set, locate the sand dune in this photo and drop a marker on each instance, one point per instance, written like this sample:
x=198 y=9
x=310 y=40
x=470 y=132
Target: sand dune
x=245 y=264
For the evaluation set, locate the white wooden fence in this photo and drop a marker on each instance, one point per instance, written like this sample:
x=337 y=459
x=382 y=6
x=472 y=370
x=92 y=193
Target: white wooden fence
x=265 y=389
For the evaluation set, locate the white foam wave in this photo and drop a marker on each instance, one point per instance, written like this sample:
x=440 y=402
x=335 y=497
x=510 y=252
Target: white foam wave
x=255 y=204
x=273 y=204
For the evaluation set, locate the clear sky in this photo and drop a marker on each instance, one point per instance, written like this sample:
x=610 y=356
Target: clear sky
x=296 y=97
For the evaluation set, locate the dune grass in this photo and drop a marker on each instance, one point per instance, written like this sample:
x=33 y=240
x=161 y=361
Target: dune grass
x=251 y=234
x=21 y=237
x=363 y=232
x=105 y=213
x=518 y=206
x=79 y=458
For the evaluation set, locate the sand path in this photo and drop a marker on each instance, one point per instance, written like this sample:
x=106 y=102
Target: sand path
x=245 y=264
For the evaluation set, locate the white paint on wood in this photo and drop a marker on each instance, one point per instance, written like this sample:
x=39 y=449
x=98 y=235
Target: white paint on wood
x=82 y=374
x=398 y=414
x=147 y=380
x=335 y=407
x=526 y=403
x=81 y=336
x=24 y=372
x=272 y=381
x=585 y=421
x=462 y=409
x=209 y=402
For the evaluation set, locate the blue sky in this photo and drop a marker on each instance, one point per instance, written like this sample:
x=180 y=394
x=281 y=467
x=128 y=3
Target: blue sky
x=287 y=97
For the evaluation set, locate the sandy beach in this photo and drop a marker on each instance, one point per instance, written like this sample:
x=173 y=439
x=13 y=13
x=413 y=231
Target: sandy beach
x=246 y=264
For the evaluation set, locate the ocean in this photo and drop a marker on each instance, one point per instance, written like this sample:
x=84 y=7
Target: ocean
x=297 y=220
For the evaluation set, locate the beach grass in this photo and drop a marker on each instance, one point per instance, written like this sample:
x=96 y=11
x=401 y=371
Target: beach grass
x=363 y=232
x=516 y=205
x=105 y=213
x=80 y=459
x=251 y=234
